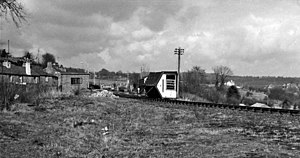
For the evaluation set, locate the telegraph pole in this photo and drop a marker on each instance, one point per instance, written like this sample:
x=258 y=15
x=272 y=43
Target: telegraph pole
x=8 y=46
x=94 y=77
x=178 y=51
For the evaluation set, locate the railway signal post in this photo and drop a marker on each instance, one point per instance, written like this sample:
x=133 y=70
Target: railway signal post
x=178 y=51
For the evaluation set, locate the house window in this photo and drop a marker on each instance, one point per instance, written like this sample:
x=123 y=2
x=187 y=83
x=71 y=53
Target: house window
x=36 y=79
x=76 y=81
x=10 y=79
x=47 y=79
x=171 y=82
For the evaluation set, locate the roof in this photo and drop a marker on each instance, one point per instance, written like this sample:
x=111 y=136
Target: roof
x=20 y=71
x=154 y=77
x=260 y=105
x=13 y=70
x=13 y=59
x=37 y=70
x=74 y=73
x=70 y=71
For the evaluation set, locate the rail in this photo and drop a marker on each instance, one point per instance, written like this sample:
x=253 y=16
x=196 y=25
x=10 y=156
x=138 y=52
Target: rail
x=214 y=105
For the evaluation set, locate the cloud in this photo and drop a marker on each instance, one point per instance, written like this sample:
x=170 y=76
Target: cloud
x=248 y=36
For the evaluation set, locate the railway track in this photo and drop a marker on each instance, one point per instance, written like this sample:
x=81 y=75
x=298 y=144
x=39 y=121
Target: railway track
x=214 y=105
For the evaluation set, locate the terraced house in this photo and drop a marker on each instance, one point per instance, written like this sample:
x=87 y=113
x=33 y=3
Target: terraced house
x=20 y=71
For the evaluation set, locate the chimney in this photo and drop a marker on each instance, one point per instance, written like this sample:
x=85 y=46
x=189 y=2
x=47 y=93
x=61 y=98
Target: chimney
x=49 y=65
x=27 y=68
x=6 y=64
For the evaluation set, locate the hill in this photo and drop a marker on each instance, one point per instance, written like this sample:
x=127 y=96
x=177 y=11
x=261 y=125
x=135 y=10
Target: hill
x=258 y=82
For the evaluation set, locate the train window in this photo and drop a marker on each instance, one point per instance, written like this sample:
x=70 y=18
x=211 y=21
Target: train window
x=163 y=85
x=171 y=77
x=170 y=80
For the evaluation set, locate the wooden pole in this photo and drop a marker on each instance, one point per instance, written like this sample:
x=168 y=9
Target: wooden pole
x=179 y=52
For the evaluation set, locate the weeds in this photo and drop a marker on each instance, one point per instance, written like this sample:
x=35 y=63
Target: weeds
x=55 y=94
x=18 y=93
x=98 y=127
x=169 y=116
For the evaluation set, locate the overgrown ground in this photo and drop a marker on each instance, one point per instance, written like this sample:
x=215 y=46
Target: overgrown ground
x=75 y=127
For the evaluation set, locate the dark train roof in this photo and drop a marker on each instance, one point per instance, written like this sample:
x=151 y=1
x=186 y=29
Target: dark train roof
x=154 y=77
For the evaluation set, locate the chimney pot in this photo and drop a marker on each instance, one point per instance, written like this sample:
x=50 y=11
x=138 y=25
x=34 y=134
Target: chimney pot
x=27 y=68
x=49 y=64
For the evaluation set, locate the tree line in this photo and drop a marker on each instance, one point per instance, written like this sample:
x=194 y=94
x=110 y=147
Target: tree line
x=195 y=81
x=45 y=58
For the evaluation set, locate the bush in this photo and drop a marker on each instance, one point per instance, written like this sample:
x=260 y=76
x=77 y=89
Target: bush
x=76 y=91
x=213 y=95
x=280 y=94
x=192 y=97
x=277 y=93
x=249 y=101
x=233 y=96
x=29 y=93
x=55 y=94
x=233 y=92
x=232 y=100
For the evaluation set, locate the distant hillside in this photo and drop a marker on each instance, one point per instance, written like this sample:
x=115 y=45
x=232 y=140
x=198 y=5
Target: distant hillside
x=258 y=82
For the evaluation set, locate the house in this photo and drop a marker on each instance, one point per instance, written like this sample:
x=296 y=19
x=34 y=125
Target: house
x=69 y=79
x=230 y=83
x=20 y=71
x=161 y=84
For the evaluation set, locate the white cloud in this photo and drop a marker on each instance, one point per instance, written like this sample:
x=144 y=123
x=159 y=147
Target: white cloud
x=105 y=55
x=118 y=30
x=142 y=34
x=248 y=36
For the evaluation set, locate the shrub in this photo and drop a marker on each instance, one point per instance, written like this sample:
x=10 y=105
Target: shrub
x=213 y=95
x=248 y=94
x=55 y=94
x=277 y=93
x=232 y=100
x=28 y=93
x=233 y=96
x=248 y=101
x=76 y=91
x=192 y=97
x=233 y=92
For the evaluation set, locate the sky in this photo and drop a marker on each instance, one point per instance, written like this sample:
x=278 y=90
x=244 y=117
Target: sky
x=252 y=37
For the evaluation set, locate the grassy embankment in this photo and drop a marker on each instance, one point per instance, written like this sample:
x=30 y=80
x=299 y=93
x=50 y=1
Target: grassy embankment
x=75 y=127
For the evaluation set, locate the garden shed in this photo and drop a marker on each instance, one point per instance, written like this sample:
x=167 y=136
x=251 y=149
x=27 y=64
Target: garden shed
x=161 y=84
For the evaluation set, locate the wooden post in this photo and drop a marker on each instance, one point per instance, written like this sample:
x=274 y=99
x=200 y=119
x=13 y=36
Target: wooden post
x=179 y=52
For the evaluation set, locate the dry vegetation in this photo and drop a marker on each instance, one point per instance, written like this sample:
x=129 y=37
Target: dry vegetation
x=74 y=126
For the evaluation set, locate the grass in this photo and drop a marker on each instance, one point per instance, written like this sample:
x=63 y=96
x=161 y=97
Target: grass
x=75 y=127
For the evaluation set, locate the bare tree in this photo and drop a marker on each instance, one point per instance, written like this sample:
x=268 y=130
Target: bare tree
x=145 y=70
x=14 y=9
x=197 y=75
x=221 y=74
x=192 y=80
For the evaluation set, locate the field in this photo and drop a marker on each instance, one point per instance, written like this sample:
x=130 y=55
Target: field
x=81 y=126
